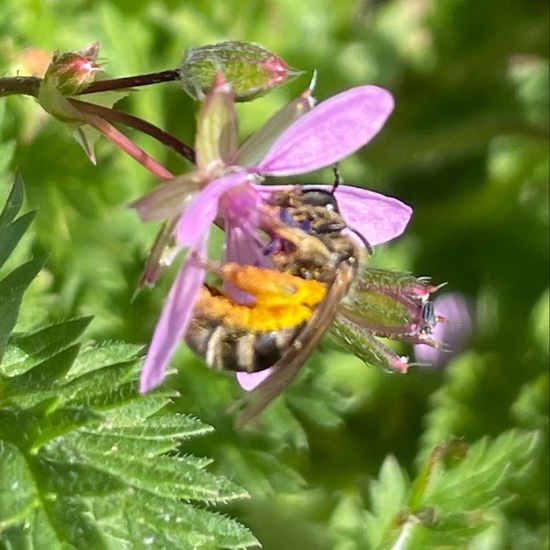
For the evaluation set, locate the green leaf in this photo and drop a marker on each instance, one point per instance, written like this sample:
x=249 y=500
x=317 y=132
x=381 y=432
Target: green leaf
x=531 y=405
x=79 y=446
x=11 y=234
x=100 y=387
x=45 y=343
x=68 y=477
x=164 y=476
x=30 y=428
x=40 y=381
x=388 y=495
x=70 y=518
x=157 y=523
x=13 y=203
x=106 y=467
x=15 y=283
x=457 y=495
x=479 y=480
x=15 y=473
x=104 y=355
x=12 y=288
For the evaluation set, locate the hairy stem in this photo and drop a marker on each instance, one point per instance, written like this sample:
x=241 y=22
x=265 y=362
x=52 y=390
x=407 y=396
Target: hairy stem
x=20 y=85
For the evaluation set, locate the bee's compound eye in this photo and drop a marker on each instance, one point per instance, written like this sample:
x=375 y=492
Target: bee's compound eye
x=319 y=197
x=428 y=312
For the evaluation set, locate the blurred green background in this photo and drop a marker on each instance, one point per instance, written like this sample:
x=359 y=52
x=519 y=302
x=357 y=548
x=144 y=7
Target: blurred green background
x=467 y=148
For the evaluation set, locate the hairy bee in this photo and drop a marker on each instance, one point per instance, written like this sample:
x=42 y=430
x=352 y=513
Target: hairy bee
x=251 y=338
x=295 y=304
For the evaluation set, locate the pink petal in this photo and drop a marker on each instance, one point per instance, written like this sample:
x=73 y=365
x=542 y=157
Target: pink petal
x=333 y=130
x=169 y=199
x=250 y=380
x=377 y=217
x=203 y=210
x=259 y=143
x=173 y=321
x=245 y=247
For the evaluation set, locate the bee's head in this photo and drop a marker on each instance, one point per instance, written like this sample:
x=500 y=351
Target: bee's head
x=320 y=198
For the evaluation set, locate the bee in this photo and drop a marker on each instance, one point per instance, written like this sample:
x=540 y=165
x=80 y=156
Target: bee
x=251 y=338
x=315 y=262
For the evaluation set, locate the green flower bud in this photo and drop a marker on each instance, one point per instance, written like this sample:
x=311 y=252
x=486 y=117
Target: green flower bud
x=386 y=304
x=392 y=305
x=363 y=344
x=251 y=70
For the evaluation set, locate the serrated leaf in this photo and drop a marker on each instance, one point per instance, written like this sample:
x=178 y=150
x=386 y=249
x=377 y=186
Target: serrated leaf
x=479 y=480
x=16 y=486
x=165 y=476
x=69 y=478
x=92 y=441
x=74 y=525
x=388 y=495
x=458 y=499
x=138 y=411
x=66 y=454
x=40 y=381
x=145 y=520
x=176 y=426
x=90 y=388
x=169 y=476
x=45 y=343
x=12 y=288
x=104 y=355
x=116 y=396
x=14 y=202
x=61 y=421
x=11 y=234
x=30 y=428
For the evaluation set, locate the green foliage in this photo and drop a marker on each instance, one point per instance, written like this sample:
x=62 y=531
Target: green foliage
x=458 y=493
x=348 y=458
x=13 y=285
x=84 y=461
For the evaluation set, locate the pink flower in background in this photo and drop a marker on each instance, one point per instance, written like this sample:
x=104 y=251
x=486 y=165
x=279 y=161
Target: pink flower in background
x=454 y=333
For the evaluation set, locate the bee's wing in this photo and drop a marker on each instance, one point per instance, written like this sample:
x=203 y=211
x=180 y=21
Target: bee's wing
x=293 y=359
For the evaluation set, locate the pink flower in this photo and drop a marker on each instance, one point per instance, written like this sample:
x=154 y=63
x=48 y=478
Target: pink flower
x=228 y=191
x=453 y=332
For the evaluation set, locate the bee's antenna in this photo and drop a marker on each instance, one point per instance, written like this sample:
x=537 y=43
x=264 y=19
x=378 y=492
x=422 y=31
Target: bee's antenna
x=337 y=179
x=363 y=239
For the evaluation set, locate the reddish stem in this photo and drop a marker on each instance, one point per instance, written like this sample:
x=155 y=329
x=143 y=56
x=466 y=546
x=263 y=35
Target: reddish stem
x=20 y=85
x=132 y=81
x=120 y=140
x=137 y=123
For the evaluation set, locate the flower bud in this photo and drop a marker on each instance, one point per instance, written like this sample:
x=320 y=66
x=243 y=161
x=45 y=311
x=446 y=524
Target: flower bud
x=71 y=72
x=363 y=344
x=393 y=305
x=251 y=70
